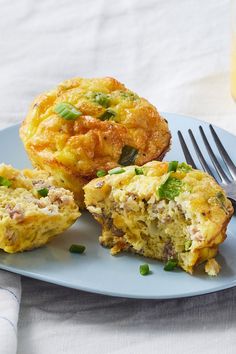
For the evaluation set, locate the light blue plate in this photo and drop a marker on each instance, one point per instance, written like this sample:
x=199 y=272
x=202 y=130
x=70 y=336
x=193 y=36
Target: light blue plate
x=96 y=270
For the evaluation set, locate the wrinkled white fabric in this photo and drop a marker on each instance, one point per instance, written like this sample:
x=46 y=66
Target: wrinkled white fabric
x=10 y=294
x=176 y=54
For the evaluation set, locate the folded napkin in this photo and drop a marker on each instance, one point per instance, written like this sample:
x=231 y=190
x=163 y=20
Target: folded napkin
x=10 y=295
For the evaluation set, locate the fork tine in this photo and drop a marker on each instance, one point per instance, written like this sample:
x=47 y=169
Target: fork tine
x=228 y=162
x=187 y=154
x=199 y=154
x=214 y=160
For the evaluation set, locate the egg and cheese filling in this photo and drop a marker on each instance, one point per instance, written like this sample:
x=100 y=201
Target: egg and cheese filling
x=166 y=211
x=32 y=209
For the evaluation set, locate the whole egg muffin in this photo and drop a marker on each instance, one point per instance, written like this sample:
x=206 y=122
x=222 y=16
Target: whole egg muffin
x=32 y=209
x=166 y=211
x=86 y=125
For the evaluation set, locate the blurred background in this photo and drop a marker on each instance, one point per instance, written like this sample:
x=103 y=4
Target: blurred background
x=174 y=53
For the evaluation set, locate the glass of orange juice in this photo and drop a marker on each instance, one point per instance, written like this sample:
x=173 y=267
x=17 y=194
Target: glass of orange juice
x=233 y=57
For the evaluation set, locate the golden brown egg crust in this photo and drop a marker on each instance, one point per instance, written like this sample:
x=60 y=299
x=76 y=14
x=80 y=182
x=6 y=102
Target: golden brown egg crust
x=74 y=150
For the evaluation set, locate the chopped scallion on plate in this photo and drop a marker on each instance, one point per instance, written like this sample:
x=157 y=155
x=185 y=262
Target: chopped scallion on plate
x=77 y=248
x=144 y=269
x=171 y=264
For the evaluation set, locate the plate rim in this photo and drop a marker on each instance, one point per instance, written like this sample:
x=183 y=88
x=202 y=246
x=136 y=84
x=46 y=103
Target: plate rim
x=115 y=293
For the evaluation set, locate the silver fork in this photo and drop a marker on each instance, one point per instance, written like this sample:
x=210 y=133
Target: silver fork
x=227 y=176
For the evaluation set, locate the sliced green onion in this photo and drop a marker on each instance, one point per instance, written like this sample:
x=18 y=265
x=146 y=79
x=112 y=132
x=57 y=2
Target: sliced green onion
x=128 y=95
x=43 y=192
x=5 y=182
x=220 y=198
x=67 y=111
x=170 y=189
x=187 y=245
x=101 y=173
x=101 y=98
x=138 y=171
x=107 y=115
x=144 y=269
x=77 y=249
x=184 y=167
x=128 y=155
x=172 y=167
x=171 y=264
x=116 y=171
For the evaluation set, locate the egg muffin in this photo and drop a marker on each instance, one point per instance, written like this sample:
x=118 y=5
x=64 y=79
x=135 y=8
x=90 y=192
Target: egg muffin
x=85 y=125
x=166 y=211
x=32 y=209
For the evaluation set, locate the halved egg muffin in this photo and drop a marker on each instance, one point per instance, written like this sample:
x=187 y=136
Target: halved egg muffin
x=166 y=211
x=32 y=209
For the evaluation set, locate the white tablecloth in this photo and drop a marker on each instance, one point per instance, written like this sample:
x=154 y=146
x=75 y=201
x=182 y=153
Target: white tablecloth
x=176 y=54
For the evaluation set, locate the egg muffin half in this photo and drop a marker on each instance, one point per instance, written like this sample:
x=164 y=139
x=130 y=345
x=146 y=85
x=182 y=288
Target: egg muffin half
x=85 y=125
x=166 y=211
x=32 y=209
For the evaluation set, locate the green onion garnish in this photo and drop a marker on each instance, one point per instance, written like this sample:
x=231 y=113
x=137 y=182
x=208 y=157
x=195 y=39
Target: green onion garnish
x=128 y=155
x=101 y=173
x=172 y=166
x=128 y=95
x=116 y=171
x=5 y=182
x=108 y=114
x=101 y=98
x=171 y=264
x=138 y=171
x=220 y=198
x=144 y=269
x=67 y=111
x=187 y=245
x=43 y=192
x=184 y=167
x=77 y=249
x=170 y=189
